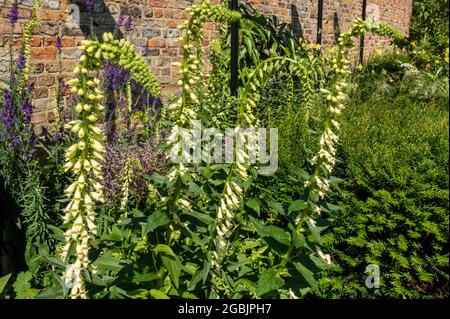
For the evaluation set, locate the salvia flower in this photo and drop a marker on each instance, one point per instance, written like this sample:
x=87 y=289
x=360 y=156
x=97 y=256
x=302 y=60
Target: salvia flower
x=120 y=20
x=15 y=142
x=7 y=114
x=58 y=43
x=27 y=111
x=116 y=77
x=128 y=24
x=13 y=14
x=57 y=137
x=21 y=61
x=90 y=6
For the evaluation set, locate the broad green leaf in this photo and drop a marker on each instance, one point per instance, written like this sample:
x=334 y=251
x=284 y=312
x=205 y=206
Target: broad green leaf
x=319 y=262
x=157 y=294
x=196 y=278
x=56 y=261
x=255 y=204
x=206 y=267
x=109 y=263
x=4 y=282
x=204 y=218
x=161 y=248
x=188 y=295
x=278 y=234
x=302 y=174
x=315 y=232
x=144 y=277
x=298 y=205
x=157 y=219
x=277 y=206
x=268 y=282
x=306 y=274
x=194 y=188
x=274 y=232
x=174 y=268
x=117 y=293
x=114 y=235
x=299 y=241
x=51 y=293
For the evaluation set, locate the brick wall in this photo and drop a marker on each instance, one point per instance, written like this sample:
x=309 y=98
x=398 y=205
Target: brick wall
x=154 y=32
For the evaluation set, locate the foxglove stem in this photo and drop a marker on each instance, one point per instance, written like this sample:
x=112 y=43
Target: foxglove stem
x=84 y=158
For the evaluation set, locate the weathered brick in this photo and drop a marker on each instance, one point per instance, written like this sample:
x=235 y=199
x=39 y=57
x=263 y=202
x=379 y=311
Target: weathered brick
x=151 y=33
x=158 y=13
x=66 y=42
x=156 y=43
x=43 y=53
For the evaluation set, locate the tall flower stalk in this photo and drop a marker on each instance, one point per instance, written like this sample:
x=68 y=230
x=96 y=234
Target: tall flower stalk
x=85 y=157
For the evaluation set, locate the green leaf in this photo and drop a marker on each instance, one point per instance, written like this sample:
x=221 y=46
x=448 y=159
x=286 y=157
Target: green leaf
x=298 y=205
x=206 y=267
x=319 y=262
x=306 y=274
x=188 y=295
x=278 y=234
x=299 y=241
x=174 y=268
x=315 y=232
x=109 y=263
x=144 y=277
x=268 y=282
x=22 y=286
x=157 y=219
x=204 y=218
x=196 y=278
x=51 y=293
x=114 y=235
x=274 y=232
x=194 y=188
x=4 y=282
x=277 y=206
x=161 y=248
x=300 y=173
x=255 y=204
x=56 y=261
x=157 y=294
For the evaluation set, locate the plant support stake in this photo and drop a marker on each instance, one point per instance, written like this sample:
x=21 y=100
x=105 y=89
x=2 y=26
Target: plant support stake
x=361 y=41
x=319 y=22
x=234 y=5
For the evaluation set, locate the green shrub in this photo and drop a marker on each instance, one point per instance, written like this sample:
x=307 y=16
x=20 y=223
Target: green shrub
x=394 y=153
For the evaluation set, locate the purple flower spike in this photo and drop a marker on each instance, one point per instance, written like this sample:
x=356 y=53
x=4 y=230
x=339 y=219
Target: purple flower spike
x=58 y=43
x=27 y=110
x=57 y=137
x=15 y=142
x=13 y=14
x=120 y=20
x=21 y=61
x=90 y=6
x=7 y=114
x=128 y=24
x=115 y=76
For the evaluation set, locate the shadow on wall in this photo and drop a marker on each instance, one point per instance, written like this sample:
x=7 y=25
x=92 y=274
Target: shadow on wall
x=336 y=27
x=80 y=20
x=296 y=27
